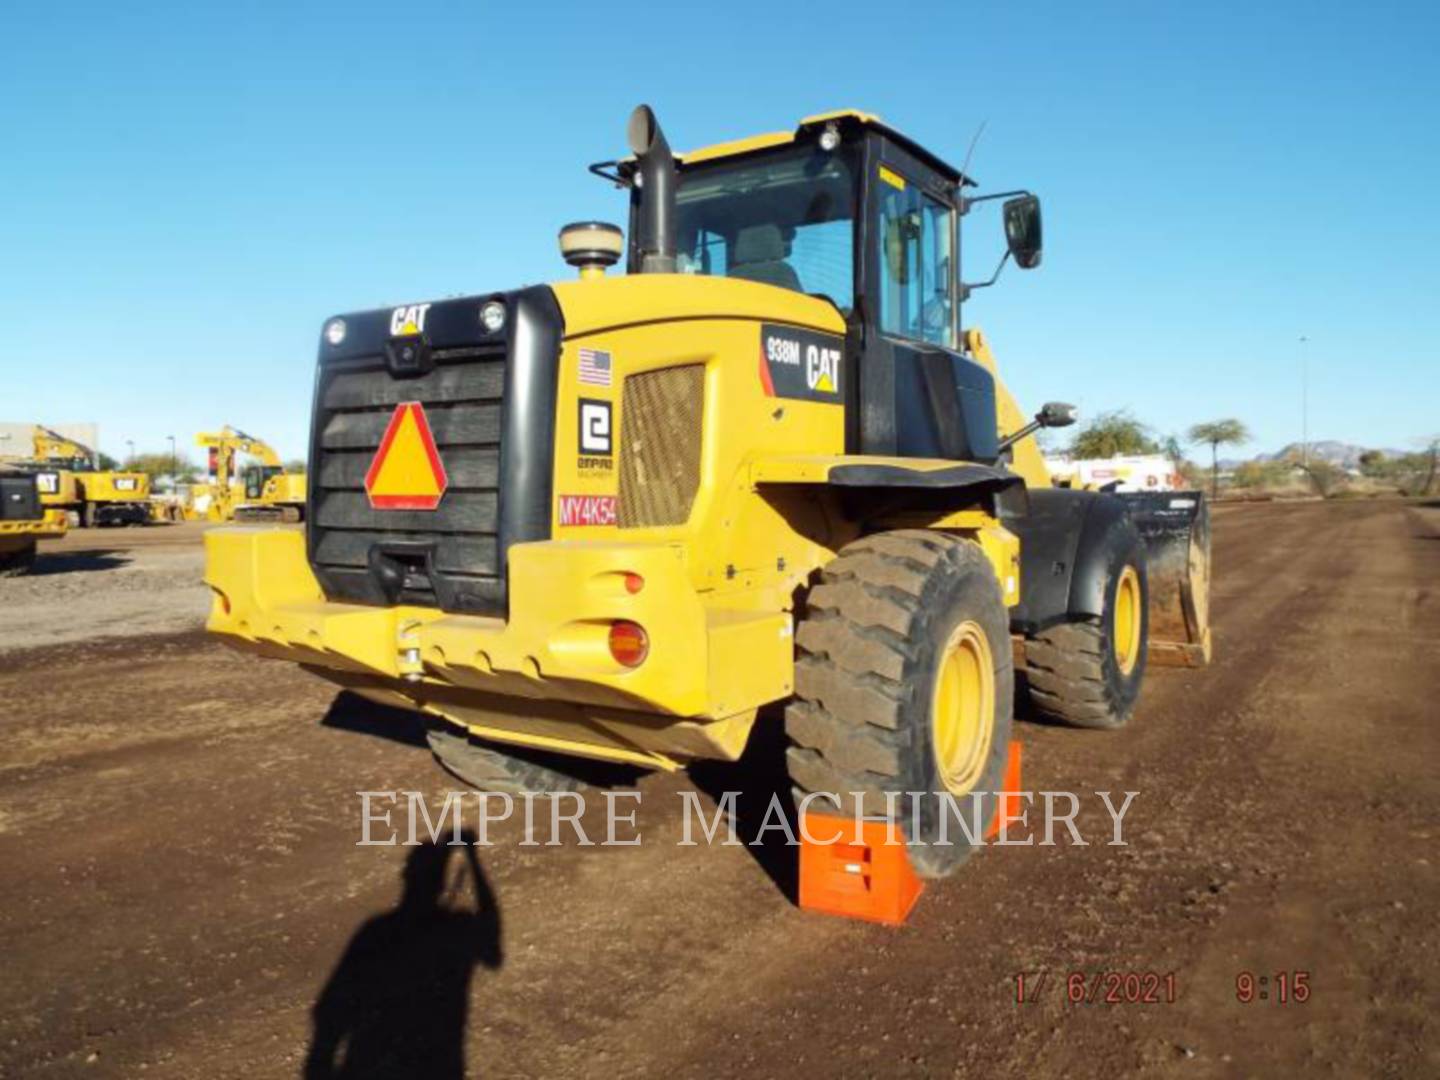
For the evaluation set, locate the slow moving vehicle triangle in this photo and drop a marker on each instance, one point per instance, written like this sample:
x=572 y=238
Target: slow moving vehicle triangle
x=406 y=472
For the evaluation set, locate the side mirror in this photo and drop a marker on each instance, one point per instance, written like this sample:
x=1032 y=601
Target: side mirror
x=1022 y=230
x=1051 y=414
x=1056 y=414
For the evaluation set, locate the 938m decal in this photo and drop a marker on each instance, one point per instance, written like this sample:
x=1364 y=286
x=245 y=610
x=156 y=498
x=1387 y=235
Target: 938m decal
x=801 y=364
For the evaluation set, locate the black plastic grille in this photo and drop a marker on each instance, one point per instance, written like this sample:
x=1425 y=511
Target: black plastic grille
x=19 y=497
x=489 y=397
x=446 y=557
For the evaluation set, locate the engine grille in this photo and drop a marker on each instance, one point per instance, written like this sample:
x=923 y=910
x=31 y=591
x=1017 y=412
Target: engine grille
x=489 y=398
x=435 y=557
x=19 y=497
x=660 y=446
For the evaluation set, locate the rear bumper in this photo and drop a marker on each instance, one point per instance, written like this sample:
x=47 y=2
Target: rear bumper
x=49 y=527
x=542 y=678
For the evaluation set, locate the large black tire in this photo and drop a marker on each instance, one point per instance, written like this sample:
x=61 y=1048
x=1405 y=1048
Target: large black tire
x=1088 y=673
x=16 y=563
x=486 y=768
x=870 y=652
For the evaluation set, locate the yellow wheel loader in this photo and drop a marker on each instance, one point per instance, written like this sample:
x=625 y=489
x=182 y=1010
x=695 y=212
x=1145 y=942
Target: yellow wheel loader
x=24 y=520
x=617 y=517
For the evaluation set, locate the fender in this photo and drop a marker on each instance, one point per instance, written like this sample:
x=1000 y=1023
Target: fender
x=1066 y=544
x=888 y=473
x=903 y=482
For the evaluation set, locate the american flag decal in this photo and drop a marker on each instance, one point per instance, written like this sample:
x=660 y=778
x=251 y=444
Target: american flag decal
x=595 y=367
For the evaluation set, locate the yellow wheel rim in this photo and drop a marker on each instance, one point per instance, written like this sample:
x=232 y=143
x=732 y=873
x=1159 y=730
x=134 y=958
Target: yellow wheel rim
x=1125 y=639
x=962 y=716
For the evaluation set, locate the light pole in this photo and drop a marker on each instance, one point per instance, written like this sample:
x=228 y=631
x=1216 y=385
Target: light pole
x=131 y=444
x=174 y=464
x=1304 y=406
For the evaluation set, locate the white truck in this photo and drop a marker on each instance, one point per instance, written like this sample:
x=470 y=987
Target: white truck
x=1130 y=473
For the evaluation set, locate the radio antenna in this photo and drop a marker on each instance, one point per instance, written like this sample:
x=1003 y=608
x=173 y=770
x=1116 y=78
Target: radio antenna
x=965 y=168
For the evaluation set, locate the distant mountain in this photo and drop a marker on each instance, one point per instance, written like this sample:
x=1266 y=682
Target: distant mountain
x=1342 y=454
x=1346 y=455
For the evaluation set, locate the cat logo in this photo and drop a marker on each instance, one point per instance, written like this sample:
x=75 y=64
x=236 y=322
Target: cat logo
x=408 y=320
x=822 y=368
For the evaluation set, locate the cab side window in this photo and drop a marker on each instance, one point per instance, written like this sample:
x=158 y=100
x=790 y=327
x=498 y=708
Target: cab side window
x=915 y=263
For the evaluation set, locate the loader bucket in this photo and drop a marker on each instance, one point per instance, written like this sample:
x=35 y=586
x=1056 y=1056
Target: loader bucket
x=1175 y=526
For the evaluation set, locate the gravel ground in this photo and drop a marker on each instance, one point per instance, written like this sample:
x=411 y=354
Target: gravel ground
x=102 y=583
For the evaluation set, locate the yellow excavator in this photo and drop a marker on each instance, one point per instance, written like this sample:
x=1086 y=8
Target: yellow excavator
x=69 y=478
x=261 y=490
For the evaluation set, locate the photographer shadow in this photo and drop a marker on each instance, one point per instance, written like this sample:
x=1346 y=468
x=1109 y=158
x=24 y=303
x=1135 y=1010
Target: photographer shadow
x=397 y=1003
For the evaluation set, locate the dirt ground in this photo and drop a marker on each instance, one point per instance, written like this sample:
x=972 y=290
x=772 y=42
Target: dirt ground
x=182 y=893
x=111 y=582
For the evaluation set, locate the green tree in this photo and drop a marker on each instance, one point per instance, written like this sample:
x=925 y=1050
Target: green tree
x=1218 y=433
x=106 y=462
x=157 y=465
x=1373 y=463
x=1432 y=454
x=295 y=465
x=1415 y=474
x=1323 y=476
x=1260 y=474
x=1111 y=434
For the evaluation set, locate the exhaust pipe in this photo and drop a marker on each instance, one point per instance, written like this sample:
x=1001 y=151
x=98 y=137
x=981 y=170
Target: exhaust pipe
x=654 y=193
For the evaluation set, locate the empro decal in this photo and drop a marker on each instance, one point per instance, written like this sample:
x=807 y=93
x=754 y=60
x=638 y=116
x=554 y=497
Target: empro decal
x=596 y=441
x=595 y=433
x=801 y=364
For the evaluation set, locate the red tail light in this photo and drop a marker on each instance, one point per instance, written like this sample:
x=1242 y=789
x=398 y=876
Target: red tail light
x=634 y=583
x=628 y=643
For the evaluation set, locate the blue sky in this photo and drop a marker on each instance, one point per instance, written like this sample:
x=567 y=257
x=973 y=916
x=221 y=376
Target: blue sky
x=189 y=189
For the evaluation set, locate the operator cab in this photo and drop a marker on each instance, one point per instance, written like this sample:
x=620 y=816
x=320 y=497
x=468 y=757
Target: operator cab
x=257 y=476
x=847 y=209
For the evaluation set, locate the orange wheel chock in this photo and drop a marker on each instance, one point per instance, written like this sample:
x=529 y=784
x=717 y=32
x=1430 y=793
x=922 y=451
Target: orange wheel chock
x=872 y=879
x=1009 y=792
x=869 y=880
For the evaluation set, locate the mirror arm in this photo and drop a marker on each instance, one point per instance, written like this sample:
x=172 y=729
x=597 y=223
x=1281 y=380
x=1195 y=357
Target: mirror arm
x=1025 y=432
x=610 y=170
x=966 y=203
x=967 y=288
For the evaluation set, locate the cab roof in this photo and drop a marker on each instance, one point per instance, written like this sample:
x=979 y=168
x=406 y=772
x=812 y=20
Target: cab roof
x=736 y=147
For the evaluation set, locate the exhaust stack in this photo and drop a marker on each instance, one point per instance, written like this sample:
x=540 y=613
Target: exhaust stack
x=653 y=194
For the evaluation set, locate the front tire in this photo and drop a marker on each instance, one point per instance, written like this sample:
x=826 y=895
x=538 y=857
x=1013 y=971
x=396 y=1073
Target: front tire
x=1088 y=673
x=904 y=682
